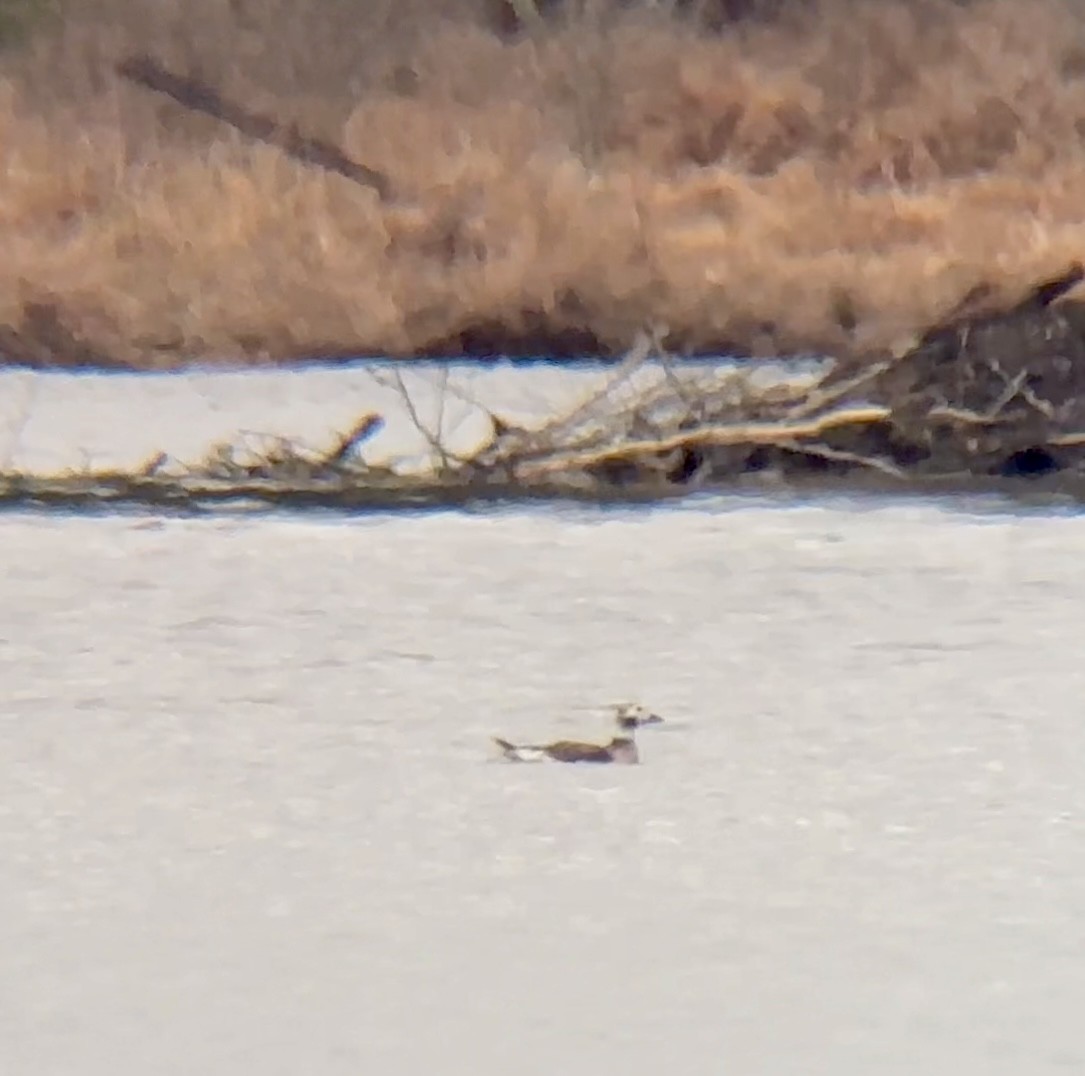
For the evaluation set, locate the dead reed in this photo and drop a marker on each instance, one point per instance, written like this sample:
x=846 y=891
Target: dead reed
x=834 y=177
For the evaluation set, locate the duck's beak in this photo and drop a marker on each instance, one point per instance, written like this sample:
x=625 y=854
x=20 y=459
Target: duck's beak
x=651 y=719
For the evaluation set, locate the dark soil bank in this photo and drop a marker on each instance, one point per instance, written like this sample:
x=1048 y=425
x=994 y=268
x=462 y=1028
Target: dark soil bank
x=995 y=395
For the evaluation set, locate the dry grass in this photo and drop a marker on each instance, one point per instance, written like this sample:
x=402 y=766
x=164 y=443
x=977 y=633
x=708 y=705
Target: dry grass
x=836 y=176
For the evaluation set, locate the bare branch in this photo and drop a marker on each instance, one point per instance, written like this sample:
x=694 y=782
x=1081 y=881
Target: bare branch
x=364 y=428
x=433 y=438
x=837 y=455
x=708 y=436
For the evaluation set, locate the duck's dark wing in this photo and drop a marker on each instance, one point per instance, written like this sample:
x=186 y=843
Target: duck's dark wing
x=574 y=751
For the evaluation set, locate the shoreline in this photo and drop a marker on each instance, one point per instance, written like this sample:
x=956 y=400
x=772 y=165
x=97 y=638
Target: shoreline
x=889 y=245
x=113 y=494
x=483 y=361
x=983 y=406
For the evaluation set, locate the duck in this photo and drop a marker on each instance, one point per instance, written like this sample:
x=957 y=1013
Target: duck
x=621 y=749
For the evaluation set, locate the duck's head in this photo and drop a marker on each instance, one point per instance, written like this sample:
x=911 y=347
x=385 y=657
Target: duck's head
x=631 y=715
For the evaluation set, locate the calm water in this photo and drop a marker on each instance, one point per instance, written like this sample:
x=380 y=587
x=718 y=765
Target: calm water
x=251 y=821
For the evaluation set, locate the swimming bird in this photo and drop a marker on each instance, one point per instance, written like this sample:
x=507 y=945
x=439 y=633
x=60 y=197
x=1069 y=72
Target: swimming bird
x=629 y=716
x=621 y=749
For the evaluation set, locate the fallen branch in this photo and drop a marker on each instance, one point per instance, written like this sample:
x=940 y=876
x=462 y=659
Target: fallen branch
x=364 y=428
x=198 y=96
x=709 y=436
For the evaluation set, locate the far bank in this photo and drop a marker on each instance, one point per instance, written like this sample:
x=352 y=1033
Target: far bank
x=268 y=183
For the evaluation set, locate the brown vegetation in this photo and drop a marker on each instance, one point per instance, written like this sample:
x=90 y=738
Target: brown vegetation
x=833 y=175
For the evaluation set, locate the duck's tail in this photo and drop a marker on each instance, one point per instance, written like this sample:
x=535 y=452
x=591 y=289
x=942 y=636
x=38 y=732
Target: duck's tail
x=518 y=752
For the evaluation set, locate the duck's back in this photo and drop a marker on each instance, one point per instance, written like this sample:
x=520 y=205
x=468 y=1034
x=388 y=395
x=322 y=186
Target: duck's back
x=574 y=751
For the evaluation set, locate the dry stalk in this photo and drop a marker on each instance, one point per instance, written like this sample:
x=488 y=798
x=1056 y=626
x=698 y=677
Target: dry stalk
x=513 y=445
x=638 y=355
x=448 y=460
x=819 y=398
x=837 y=455
x=960 y=415
x=1014 y=387
x=669 y=373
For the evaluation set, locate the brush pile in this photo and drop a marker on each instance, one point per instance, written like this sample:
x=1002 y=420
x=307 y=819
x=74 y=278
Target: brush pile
x=981 y=397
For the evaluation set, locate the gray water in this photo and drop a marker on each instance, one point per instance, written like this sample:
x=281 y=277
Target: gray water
x=252 y=823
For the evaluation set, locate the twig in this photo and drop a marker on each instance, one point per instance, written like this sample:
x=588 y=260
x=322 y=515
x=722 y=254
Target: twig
x=838 y=455
x=1043 y=406
x=440 y=431
x=960 y=414
x=516 y=444
x=1018 y=386
x=819 y=397
x=666 y=362
x=1014 y=386
x=365 y=427
x=637 y=356
x=432 y=439
x=445 y=457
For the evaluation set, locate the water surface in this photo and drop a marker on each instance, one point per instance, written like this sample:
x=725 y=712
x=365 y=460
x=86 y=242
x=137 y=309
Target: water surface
x=251 y=821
